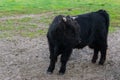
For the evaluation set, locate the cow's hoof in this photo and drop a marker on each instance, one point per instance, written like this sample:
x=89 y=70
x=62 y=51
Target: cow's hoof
x=62 y=71
x=93 y=61
x=49 y=72
x=101 y=63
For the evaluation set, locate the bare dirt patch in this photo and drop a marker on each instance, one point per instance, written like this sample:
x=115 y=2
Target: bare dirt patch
x=27 y=59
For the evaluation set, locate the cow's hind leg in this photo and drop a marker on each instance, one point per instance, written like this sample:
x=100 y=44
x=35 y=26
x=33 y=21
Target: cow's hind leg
x=103 y=56
x=64 y=58
x=95 y=55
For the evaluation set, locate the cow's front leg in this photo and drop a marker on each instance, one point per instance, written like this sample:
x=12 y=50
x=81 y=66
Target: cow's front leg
x=64 y=58
x=53 y=59
x=52 y=65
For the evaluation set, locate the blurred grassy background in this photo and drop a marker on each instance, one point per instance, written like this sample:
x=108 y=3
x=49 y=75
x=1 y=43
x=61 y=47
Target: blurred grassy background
x=71 y=7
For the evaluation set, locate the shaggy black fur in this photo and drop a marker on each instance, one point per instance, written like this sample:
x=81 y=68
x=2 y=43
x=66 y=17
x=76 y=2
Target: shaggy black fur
x=66 y=33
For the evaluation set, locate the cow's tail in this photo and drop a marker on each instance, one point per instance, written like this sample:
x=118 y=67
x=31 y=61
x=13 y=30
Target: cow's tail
x=106 y=16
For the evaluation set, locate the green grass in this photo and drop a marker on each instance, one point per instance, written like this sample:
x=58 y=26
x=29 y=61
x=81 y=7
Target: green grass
x=30 y=26
x=11 y=7
x=22 y=27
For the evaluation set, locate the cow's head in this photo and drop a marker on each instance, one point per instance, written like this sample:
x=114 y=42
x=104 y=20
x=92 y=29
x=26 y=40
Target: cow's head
x=72 y=29
x=65 y=29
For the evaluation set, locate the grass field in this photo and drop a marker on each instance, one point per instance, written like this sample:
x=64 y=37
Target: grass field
x=31 y=26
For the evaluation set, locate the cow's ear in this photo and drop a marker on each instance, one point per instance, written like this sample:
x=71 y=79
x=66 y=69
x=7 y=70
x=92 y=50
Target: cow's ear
x=74 y=17
x=64 y=19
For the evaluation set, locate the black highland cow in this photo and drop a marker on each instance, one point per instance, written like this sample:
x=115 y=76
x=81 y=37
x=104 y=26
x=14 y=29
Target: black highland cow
x=66 y=33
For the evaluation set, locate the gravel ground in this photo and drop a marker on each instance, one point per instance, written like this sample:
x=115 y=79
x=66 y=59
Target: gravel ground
x=27 y=59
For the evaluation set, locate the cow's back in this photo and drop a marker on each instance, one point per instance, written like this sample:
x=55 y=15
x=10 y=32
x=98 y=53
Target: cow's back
x=92 y=28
